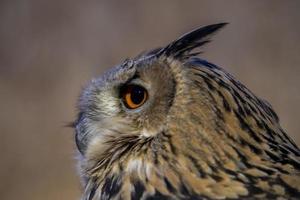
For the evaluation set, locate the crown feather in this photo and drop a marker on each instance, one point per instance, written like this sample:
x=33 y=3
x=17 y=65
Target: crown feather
x=182 y=47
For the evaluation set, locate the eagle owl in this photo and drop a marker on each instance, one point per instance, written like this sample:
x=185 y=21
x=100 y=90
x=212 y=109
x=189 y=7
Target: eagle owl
x=170 y=125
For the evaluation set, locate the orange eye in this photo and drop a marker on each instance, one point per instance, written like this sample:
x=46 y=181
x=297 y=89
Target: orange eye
x=134 y=96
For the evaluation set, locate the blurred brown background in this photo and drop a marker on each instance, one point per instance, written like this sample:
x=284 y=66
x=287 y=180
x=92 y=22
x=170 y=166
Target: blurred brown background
x=50 y=49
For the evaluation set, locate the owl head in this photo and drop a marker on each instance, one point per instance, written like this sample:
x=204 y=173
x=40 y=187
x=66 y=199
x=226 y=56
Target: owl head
x=135 y=98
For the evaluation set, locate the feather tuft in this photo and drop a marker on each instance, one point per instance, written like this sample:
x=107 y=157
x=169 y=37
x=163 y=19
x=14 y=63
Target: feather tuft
x=182 y=47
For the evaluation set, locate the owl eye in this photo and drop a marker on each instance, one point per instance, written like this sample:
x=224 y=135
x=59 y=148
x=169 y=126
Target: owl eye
x=134 y=96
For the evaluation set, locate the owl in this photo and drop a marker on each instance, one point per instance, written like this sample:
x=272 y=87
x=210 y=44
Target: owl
x=170 y=125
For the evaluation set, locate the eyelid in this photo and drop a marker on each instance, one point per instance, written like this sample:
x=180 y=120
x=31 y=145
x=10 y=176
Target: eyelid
x=133 y=79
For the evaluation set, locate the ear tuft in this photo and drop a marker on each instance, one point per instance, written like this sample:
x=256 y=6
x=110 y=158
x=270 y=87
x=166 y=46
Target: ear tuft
x=182 y=47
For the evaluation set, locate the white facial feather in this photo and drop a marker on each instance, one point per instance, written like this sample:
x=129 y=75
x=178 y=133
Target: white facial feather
x=141 y=167
x=108 y=103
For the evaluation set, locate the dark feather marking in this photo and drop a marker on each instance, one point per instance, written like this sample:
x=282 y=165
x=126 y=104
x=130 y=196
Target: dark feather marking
x=225 y=102
x=198 y=61
x=230 y=172
x=172 y=94
x=225 y=85
x=173 y=148
x=292 y=162
x=169 y=186
x=121 y=147
x=267 y=108
x=158 y=196
x=283 y=150
x=253 y=148
x=240 y=98
x=165 y=157
x=92 y=191
x=289 y=140
x=190 y=48
x=241 y=111
x=262 y=105
x=289 y=189
x=216 y=177
x=242 y=157
x=186 y=43
x=281 y=170
x=264 y=169
x=156 y=161
x=270 y=134
x=253 y=190
x=111 y=186
x=208 y=83
x=218 y=111
x=294 y=151
x=189 y=195
x=183 y=189
x=166 y=134
x=253 y=109
x=258 y=122
x=247 y=128
x=139 y=189
x=197 y=166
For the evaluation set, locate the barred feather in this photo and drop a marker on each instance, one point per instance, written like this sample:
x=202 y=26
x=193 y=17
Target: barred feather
x=202 y=135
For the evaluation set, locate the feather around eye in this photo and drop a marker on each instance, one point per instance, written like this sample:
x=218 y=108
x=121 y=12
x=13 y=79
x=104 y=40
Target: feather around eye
x=134 y=96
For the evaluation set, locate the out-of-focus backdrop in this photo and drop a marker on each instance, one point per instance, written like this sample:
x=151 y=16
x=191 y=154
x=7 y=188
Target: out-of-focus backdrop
x=50 y=49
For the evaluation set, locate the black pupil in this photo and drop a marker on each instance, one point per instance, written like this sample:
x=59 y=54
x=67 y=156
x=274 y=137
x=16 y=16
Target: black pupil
x=137 y=94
